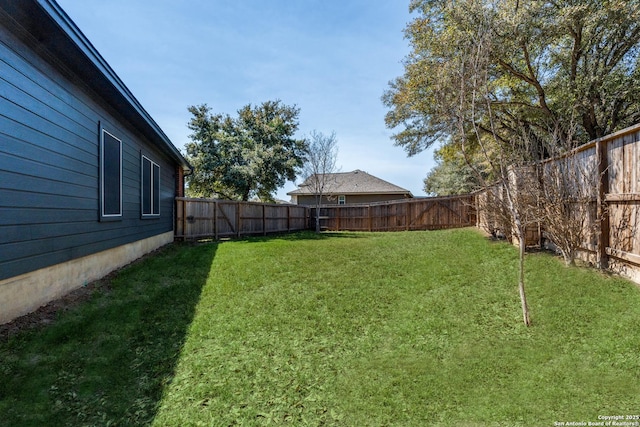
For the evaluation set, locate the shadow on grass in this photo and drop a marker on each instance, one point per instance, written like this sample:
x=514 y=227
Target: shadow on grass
x=107 y=360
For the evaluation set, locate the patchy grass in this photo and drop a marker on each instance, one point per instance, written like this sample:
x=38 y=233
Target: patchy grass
x=407 y=329
x=107 y=360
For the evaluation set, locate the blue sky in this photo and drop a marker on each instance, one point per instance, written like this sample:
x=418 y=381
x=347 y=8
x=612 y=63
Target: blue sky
x=331 y=58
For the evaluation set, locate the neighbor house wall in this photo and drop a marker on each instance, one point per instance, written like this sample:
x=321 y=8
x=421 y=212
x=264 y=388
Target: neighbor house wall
x=349 y=199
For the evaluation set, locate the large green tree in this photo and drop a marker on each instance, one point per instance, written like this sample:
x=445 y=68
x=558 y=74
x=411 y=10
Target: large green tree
x=251 y=155
x=453 y=174
x=515 y=81
x=561 y=72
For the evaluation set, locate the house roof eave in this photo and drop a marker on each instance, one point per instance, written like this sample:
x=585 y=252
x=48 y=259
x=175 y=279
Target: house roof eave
x=356 y=182
x=57 y=33
x=362 y=193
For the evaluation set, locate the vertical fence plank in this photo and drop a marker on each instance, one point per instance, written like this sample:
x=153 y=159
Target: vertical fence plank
x=216 y=220
x=238 y=216
x=184 y=218
x=603 y=212
x=212 y=218
x=396 y=215
x=264 y=220
x=407 y=216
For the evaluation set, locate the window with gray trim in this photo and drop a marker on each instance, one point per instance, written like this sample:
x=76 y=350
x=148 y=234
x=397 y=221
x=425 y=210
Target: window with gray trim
x=110 y=176
x=150 y=198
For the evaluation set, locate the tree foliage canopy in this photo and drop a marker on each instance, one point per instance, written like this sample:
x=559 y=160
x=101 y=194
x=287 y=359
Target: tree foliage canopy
x=251 y=155
x=516 y=81
x=453 y=175
x=560 y=71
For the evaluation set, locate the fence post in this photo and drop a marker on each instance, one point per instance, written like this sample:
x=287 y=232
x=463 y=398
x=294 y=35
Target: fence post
x=238 y=216
x=184 y=219
x=540 y=171
x=602 y=211
x=408 y=215
x=476 y=205
x=215 y=219
x=264 y=219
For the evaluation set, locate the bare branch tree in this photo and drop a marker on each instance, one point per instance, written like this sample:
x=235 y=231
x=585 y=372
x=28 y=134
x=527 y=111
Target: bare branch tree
x=493 y=217
x=512 y=199
x=569 y=192
x=321 y=157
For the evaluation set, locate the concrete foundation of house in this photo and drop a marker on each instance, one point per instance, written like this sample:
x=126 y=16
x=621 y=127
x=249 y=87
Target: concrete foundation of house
x=23 y=294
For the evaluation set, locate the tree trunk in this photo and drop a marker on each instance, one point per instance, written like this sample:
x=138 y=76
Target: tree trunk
x=523 y=297
x=317 y=218
x=520 y=230
x=569 y=259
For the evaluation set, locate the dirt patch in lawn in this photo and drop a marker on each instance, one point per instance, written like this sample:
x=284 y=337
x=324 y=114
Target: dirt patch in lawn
x=48 y=313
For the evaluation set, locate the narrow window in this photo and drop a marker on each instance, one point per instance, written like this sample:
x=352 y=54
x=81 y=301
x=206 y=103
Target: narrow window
x=150 y=187
x=342 y=200
x=110 y=176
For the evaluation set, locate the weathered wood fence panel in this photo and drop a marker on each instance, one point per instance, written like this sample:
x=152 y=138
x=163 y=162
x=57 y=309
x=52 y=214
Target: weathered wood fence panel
x=584 y=165
x=621 y=239
x=412 y=214
x=615 y=208
x=210 y=218
x=613 y=211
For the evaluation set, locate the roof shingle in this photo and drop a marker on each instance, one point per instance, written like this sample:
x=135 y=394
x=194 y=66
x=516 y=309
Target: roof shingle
x=355 y=182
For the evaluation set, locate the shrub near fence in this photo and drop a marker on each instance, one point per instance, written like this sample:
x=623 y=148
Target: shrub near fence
x=433 y=213
x=211 y=218
x=614 y=211
x=616 y=206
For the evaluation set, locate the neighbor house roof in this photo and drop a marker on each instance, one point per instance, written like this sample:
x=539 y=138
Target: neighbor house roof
x=346 y=183
x=57 y=33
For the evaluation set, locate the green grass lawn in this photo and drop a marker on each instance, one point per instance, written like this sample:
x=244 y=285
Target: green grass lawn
x=406 y=329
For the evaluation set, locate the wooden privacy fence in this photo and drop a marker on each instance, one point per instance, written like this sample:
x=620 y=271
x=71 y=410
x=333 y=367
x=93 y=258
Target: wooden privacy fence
x=410 y=214
x=617 y=204
x=613 y=212
x=210 y=218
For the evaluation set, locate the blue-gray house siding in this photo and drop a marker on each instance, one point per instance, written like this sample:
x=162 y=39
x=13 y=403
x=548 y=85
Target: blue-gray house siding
x=56 y=95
